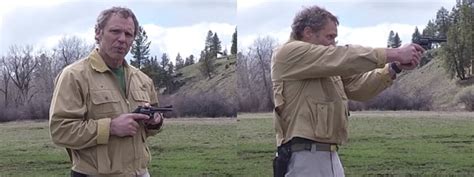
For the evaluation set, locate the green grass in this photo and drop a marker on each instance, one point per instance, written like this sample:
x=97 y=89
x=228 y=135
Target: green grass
x=380 y=144
x=191 y=147
x=194 y=148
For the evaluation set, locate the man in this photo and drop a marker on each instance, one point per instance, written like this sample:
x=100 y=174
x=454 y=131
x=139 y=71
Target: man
x=92 y=100
x=312 y=82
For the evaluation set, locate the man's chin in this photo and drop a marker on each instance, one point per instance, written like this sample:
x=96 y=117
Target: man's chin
x=118 y=56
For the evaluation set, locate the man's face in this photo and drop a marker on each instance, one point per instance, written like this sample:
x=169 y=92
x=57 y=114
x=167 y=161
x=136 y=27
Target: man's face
x=326 y=36
x=117 y=36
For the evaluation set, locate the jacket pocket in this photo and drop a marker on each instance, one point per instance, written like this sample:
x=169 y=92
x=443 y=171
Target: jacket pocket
x=140 y=96
x=105 y=102
x=108 y=163
x=322 y=118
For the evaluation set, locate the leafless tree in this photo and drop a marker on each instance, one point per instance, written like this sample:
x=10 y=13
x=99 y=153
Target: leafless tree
x=70 y=49
x=247 y=99
x=44 y=74
x=20 y=64
x=253 y=72
x=5 y=76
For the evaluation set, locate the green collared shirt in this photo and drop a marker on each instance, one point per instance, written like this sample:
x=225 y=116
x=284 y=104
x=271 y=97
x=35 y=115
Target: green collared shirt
x=120 y=75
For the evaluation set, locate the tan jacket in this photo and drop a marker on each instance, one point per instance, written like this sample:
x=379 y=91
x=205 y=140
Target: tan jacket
x=85 y=98
x=312 y=85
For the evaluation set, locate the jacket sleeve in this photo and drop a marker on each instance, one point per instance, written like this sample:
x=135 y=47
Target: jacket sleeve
x=153 y=101
x=298 y=60
x=362 y=87
x=68 y=125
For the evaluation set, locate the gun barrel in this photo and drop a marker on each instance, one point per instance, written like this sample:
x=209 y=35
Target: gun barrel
x=162 y=109
x=142 y=109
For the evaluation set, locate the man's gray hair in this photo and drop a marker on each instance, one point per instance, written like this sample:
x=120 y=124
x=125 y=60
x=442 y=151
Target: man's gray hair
x=105 y=15
x=314 y=17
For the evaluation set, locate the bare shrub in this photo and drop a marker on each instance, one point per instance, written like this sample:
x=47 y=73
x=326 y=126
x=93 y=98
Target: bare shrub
x=209 y=104
x=466 y=96
x=38 y=109
x=7 y=114
x=394 y=99
x=356 y=106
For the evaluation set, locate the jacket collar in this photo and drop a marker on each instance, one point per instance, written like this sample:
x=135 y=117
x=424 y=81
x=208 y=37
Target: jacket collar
x=98 y=64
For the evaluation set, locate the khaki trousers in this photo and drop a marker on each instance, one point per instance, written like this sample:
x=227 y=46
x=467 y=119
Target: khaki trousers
x=315 y=164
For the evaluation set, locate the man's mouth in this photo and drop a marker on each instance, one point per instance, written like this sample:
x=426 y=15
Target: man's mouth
x=120 y=49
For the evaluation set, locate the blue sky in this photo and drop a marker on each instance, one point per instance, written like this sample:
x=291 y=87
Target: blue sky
x=364 y=22
x=172 y=25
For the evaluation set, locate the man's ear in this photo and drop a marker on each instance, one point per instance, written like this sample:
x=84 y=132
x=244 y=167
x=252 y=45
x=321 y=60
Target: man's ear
x=307 y=32
x=98 y=35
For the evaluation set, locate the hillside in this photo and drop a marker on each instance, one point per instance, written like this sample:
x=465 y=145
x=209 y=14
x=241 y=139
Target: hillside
x=431 y=79
x=223 y=80
x=202 y=97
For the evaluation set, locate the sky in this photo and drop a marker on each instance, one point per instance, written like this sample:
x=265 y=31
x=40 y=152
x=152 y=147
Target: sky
x=363 y=22
x=181 y=25
x=172 y=26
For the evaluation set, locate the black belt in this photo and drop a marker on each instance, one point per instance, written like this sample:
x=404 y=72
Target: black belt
x=301 y=144
x=77 y=174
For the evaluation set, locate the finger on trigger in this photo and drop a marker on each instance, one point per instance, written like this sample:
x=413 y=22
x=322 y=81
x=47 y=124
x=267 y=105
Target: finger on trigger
x=140 y=117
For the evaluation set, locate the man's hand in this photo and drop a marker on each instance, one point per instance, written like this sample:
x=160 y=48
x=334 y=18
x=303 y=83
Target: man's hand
x=406 y=66
x=126 y=124
x=408 y=56
x=157 y=117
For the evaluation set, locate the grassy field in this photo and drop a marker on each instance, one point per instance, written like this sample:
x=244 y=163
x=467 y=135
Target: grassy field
x=381 y=144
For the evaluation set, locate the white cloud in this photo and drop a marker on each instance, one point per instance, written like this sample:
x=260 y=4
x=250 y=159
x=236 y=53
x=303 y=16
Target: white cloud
x=186 y=40
x=245 y=4
x=281 y=36
x=49 y=42
x=375 y=36
x=8 y=6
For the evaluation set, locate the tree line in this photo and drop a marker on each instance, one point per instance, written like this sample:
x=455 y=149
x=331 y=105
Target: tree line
x=254 y=84
x=457 y=28
x=27 y=73
x=162 y=71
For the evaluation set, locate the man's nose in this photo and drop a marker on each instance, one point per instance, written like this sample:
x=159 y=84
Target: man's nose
x=122 y=37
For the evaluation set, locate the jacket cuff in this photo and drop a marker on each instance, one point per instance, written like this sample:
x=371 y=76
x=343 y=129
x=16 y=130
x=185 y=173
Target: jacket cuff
x=381 y=57
x=386 y=76
x=103 y=131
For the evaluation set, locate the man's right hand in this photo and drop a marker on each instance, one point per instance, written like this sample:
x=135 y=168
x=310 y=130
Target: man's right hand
x=408 y=55
x=126 y=124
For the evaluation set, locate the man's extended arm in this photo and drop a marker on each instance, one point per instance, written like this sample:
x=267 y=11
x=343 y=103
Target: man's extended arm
x=300 y=60
x=362 y=87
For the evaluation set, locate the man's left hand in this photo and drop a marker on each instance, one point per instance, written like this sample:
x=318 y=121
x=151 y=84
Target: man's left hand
x=157 y=117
